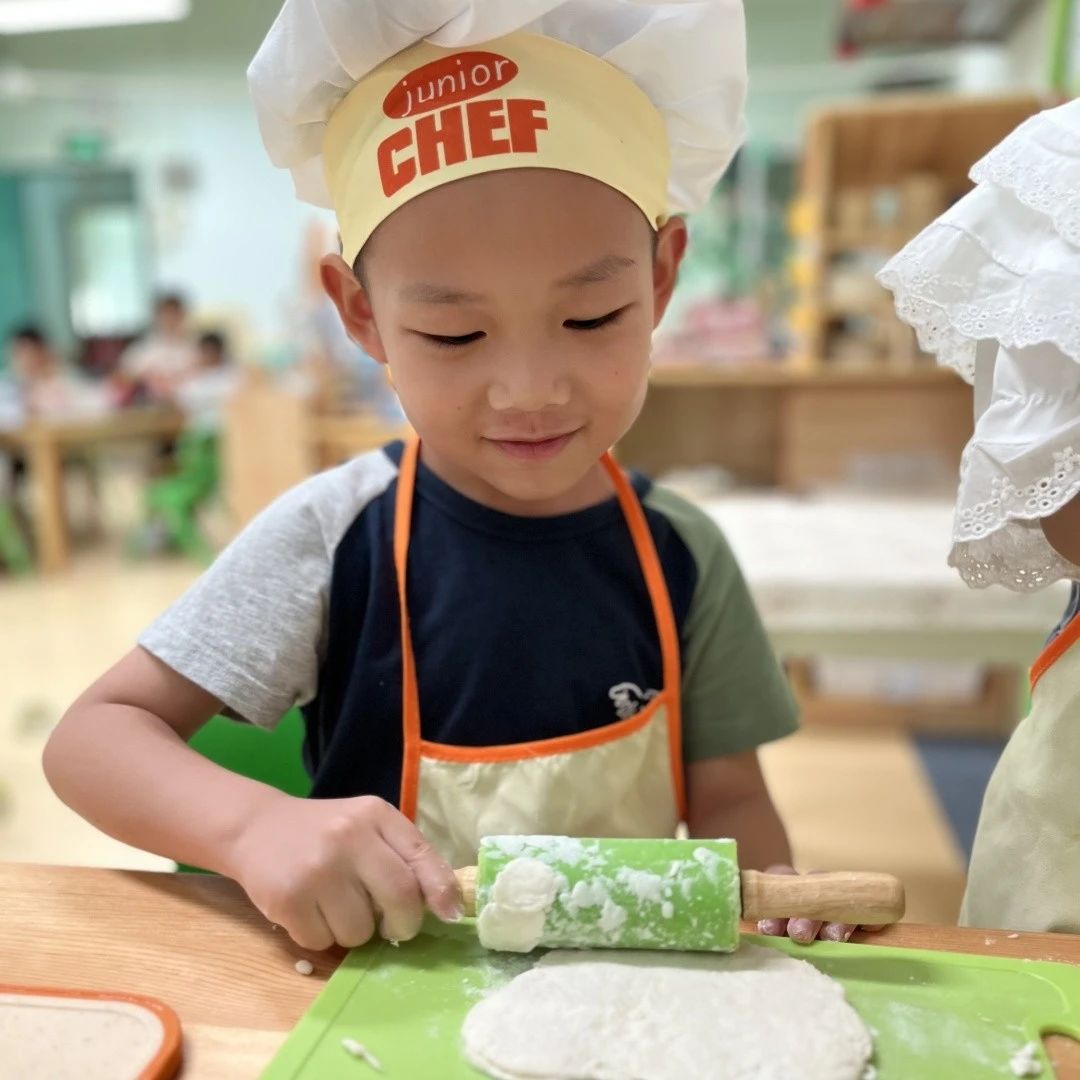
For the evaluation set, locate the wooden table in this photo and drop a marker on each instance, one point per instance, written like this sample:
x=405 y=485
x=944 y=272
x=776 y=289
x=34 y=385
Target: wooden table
x=196 y=943
x=862 y=576
x=45 y=443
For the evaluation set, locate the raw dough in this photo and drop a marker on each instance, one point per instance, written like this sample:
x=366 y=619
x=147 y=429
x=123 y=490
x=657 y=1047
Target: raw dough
x=755 y=1015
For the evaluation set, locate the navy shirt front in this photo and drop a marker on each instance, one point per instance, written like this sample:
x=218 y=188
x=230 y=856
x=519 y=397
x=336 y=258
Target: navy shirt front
x=523 y=628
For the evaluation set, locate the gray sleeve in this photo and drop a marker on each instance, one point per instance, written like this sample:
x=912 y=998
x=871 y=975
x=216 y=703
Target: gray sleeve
x=251 y=631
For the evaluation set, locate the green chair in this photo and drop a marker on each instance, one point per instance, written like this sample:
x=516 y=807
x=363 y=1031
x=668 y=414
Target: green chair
x=13 y=548
x=271 y=757
x=173 y=502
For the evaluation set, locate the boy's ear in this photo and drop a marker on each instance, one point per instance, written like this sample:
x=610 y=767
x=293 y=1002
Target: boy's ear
x=352 y=303
x=670 y=248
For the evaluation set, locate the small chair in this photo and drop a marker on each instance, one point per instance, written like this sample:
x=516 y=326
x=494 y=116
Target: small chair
x=14 y=551
x=173 y=502
x=271 y=757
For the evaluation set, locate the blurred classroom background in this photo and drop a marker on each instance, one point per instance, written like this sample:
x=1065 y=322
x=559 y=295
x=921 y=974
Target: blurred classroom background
x=170 y=365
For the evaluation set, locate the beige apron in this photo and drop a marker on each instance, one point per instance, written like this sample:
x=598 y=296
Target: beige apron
x=1025 y=867
x=623 y=779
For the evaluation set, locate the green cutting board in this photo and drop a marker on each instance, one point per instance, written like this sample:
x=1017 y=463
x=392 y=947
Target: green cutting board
x=935 y=1016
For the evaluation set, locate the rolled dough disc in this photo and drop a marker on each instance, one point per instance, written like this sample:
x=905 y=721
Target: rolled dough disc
x=755 y=1015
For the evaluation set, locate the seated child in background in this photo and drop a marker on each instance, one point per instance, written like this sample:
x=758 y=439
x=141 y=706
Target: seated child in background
x=993 y=288
x=45 y=388
x=491 y=629
x=174 y=501
x=203 y=394
x=152 y=367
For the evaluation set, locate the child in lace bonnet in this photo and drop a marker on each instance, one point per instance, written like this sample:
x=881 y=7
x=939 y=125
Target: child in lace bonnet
x=993 y=290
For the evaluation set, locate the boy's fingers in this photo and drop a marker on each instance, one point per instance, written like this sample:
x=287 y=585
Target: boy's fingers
x=432 y=872
x=348 y=913
x=395 y=892
x=837 y=932
x=309 y=929
x=772 y=927
x=777 y=928
x=803 y=931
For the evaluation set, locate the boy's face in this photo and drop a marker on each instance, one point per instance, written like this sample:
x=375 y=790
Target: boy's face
x=515 y=312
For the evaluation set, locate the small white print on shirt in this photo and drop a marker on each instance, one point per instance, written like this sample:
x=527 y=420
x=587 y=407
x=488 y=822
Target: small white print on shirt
x=630 y=699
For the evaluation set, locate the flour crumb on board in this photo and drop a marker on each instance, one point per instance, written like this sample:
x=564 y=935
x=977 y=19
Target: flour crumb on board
x=1012 y=937
x=304 y=967
x=359 y=1050
x=1024 y=1062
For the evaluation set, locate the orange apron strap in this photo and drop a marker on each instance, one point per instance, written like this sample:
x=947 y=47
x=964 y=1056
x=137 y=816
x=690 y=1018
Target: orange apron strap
x=1056 y=649
x=410 y=698
x=665 y=620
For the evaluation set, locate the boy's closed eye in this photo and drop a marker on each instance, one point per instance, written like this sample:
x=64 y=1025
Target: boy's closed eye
x=579 y=325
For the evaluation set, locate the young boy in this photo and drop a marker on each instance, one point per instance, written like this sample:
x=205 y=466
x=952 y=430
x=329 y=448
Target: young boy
x=203 y=394
x=45 y=388
x=160 y=360
x=491 y=629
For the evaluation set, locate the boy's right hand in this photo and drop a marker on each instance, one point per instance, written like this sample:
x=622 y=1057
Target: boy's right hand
x=333 y=871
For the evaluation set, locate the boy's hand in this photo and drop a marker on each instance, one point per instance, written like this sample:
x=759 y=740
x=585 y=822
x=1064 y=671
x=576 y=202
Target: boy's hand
x=805 y=931
x=332 y=871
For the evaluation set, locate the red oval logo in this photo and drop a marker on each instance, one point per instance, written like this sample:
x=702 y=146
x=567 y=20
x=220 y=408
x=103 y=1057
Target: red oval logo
x=447 y=81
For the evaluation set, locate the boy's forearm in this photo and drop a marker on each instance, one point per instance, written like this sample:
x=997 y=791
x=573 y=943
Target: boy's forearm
x=753 y=822
x=130 y=774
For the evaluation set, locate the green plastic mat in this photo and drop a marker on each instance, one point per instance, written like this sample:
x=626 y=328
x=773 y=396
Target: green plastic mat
x=935 y=1016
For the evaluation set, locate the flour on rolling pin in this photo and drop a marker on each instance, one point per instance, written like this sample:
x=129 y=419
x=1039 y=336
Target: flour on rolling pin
x=561 y=892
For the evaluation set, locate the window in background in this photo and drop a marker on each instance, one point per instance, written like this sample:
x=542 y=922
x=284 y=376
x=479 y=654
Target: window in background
x=107 y=286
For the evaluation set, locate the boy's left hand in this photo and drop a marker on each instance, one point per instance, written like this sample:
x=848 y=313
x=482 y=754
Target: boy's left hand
x=805 y=931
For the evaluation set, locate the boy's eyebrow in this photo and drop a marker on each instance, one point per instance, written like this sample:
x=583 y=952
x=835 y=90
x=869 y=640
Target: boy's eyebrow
x=426 y=292
x=602 y=270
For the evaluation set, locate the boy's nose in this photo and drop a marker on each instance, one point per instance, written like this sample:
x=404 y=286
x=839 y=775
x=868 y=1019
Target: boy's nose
x=528 y=384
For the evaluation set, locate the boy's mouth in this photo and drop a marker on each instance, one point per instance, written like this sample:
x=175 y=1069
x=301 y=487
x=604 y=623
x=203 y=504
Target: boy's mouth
x=534 y=449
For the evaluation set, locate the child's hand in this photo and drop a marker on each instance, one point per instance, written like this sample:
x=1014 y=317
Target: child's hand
x=331 y=871
x=805 y=931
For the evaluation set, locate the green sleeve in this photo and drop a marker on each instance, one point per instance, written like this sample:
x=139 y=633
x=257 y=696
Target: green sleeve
x=735 y=696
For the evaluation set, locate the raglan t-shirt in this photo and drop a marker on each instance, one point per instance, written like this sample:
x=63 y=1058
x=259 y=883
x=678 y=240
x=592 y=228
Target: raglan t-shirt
x=523 y=628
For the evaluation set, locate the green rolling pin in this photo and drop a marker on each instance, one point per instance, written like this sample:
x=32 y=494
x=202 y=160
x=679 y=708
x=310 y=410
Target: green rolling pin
x=688 y=895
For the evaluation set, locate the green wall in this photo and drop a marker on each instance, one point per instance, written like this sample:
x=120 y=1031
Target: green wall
x=15 y=305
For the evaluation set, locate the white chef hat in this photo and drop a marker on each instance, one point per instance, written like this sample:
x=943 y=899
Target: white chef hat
x=369 y=103
x=993 y=290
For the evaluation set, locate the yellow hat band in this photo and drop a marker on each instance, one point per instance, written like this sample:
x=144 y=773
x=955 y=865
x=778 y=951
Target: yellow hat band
x=430 y=116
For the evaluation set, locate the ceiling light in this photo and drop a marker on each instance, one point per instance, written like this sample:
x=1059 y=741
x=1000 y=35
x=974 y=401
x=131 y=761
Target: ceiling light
x=34 y=16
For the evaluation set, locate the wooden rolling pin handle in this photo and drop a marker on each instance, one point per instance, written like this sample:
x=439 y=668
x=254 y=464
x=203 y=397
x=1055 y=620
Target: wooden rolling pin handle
x=466 y=879
x=860 y=898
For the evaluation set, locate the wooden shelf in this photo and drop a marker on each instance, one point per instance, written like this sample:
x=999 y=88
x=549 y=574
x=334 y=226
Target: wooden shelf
x=836 y=241
x=896 y=143
x=764 y=375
